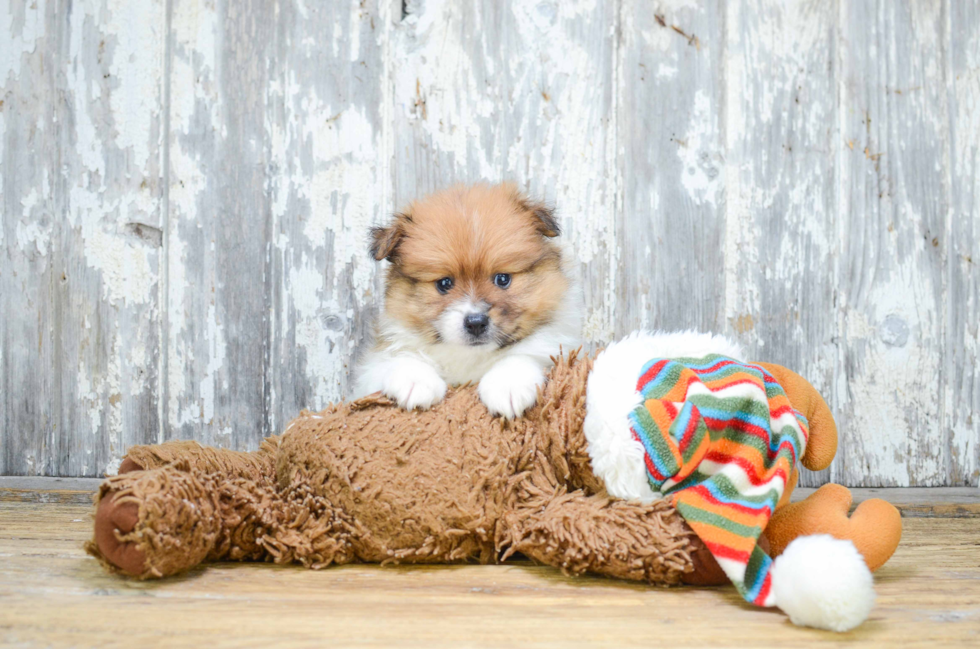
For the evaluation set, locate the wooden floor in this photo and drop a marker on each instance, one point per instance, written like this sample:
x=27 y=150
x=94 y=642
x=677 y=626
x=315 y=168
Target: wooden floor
x=53 y=595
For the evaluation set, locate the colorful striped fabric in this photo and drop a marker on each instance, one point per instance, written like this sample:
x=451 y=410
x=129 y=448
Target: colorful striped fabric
x=721 y=438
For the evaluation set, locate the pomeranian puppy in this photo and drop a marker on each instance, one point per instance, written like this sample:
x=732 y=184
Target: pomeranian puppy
x=476 y=291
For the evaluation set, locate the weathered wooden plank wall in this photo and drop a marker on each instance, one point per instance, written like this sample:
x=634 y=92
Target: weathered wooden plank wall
x=186 y=186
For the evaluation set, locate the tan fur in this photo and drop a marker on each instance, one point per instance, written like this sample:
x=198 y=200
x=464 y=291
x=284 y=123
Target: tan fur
x=469 y=234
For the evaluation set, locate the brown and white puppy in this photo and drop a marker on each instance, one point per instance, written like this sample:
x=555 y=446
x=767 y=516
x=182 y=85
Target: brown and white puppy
x=476 y=292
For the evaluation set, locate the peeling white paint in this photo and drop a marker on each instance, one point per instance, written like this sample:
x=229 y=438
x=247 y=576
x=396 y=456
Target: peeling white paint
x=137 y=69
x=32 y=237
x=340 y=192
x=127 y=273
x=193 y=381
x=319 y=343
x=962 y=387
x=701 y=177
x=212 y=381
x=21 y=33
x=895 y=381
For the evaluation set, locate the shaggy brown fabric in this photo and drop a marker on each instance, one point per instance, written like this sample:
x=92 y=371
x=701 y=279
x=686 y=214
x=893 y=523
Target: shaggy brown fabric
x=367 y=481
x=176 y=524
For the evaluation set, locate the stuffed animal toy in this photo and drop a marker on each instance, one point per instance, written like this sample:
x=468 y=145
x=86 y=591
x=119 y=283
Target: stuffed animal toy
x=665 y=459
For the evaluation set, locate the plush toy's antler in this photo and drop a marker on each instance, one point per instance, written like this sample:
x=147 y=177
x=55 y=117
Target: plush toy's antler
x=822 y=443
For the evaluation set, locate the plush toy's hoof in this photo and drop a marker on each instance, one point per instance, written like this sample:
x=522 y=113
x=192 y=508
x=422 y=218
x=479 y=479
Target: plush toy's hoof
x=706 y=570
x=113 y=519
x=128 y=465
x=823 y=582
x=875 y=527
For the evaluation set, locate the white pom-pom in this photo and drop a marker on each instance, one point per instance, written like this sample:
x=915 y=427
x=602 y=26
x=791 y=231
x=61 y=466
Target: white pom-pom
x=823 y=582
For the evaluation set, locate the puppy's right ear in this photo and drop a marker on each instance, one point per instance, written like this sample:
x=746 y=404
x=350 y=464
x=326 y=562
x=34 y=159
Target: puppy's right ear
x=385 y=240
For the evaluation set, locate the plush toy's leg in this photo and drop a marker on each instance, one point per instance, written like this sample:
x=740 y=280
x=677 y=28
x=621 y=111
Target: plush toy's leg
x=154 y=523
x=163 y=521
x=204 y=459
x=579 y=533
x=875 y=527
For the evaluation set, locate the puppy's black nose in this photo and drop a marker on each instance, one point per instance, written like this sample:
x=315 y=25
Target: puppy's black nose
x=476 y=323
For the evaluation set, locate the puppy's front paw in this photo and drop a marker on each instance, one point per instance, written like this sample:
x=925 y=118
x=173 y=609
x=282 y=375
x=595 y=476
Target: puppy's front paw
x=511 y=386
x=413 y=383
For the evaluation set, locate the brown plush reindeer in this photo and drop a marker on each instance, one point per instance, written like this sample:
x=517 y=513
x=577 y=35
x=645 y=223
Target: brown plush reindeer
x=366 y=481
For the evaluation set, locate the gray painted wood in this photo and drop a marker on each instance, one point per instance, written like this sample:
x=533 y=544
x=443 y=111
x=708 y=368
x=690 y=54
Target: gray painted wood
x=218 y=354
x=894 y=202
x=961 y=400
x=671 y=135
x=187 y=187
x=329 y=185
x=80 y=132
x=274 y=180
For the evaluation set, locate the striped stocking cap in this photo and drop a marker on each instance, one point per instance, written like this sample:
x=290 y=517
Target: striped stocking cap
x=721 y=439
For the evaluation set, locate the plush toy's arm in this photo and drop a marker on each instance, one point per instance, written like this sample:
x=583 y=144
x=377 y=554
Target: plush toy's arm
x=581 y=533
x=822 y=444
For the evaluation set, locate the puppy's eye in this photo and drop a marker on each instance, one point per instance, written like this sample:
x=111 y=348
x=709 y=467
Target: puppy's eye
x=443 y=285
x=501 y=280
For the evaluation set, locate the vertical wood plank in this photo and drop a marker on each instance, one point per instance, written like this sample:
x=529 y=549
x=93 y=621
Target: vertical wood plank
x=80 y=130
x=325 y=123
x=521 y=91
x=781 y=200
x=894 y=243
x=962 y=362
x=218 y=307
x=670 y=105
x=556 y=135
x=32 y=215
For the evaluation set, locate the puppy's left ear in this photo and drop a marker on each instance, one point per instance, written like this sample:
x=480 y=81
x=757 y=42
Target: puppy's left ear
x=542 y=215
x=545 y=220
x=385 y=240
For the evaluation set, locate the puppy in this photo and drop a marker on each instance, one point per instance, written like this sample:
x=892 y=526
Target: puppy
x=476 y=291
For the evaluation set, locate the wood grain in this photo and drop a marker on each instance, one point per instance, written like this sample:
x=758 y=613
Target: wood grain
x=894 y=243
x=218 y=356
x=327 y=109
x=187 y=185
x=81 y=123
x=961 y=399
x=273 y=184
x=54 y=595
x=670 y=119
